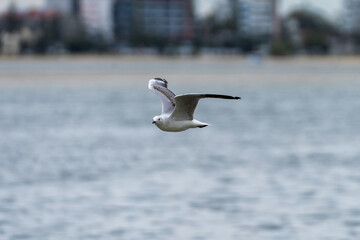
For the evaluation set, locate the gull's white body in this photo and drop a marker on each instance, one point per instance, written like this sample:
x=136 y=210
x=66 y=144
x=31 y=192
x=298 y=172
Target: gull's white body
x=178 y=110
x=169 y=125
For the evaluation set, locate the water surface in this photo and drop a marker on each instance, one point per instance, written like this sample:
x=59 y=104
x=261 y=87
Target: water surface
x=80 y=159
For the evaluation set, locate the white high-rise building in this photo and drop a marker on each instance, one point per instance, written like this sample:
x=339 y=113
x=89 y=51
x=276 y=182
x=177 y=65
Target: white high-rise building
x=352 y=15
x=98 y=17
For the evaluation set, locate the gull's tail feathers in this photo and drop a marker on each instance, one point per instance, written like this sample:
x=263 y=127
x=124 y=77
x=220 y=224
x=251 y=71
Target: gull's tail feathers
x=199 y=124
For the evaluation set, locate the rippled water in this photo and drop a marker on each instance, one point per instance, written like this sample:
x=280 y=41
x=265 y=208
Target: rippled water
x=83 y=161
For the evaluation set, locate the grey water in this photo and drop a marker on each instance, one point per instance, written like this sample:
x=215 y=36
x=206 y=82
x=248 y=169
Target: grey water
x=83 y=161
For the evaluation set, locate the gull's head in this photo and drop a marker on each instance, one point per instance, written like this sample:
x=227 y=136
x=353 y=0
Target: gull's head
x=157 y=120
x=158 y=81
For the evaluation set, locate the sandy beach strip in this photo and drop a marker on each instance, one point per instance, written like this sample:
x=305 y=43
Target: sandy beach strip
x=133 y=70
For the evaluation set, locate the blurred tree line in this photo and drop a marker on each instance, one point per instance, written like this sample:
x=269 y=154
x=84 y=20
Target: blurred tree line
x=314 y=30
x=49 y=32
x=302 y=30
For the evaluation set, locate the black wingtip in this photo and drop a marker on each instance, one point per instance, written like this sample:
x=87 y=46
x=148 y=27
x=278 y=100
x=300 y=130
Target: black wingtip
x=220 y=96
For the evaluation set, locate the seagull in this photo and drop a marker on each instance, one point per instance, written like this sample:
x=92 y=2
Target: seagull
x=177 y=113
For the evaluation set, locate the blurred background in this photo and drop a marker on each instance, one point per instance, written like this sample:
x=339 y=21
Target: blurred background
x=80 y=159
x=182 y=27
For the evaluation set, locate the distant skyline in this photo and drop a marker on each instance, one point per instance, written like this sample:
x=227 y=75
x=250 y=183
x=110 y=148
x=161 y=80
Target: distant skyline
x=330 y=7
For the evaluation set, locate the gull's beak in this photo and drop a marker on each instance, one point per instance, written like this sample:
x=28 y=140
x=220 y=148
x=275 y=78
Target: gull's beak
x=153 y=122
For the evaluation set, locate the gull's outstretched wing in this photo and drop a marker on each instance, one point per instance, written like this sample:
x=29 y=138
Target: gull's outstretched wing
x=186 y=104
x=159 y=86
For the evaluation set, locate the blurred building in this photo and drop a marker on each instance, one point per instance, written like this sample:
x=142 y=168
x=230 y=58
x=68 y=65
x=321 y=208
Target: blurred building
x=10 y=43
x=170 y=19
x=98 y=17
x=22 y=31
x=65 y=7
x=124 y=18
x=257 y=18
x=352 y=16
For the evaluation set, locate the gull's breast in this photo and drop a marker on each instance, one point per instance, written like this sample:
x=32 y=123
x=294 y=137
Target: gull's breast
x=176 y=126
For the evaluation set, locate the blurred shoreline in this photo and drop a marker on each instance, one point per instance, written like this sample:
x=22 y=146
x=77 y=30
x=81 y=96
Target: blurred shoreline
x=340 y=58
x=135 y=69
